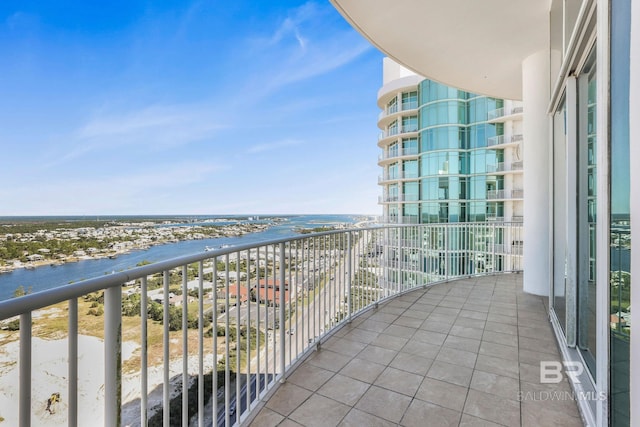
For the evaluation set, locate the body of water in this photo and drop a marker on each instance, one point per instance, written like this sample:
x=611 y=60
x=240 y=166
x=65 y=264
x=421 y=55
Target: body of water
x=48 y=277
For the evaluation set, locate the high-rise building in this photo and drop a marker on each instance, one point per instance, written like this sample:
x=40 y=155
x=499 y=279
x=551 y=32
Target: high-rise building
x=575 y=65
x=447 y=155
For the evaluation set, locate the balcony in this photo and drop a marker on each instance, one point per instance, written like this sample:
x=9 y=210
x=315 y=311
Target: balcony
x=505 y=194
x=500 y=141
x=300 y=324
x=395 y=109
x=398 y=153
x=501 y=114
x=503 y=167
x=460 y=353
x=398 y=176
x=398 y=130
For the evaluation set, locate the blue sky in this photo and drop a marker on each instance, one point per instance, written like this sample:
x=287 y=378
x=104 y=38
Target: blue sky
x=127 y=107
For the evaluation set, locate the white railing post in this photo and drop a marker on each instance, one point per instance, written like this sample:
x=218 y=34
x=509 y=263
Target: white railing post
x=25 y=369
x=281 y=312
x=113 y=355
x=73 y=363
x=349 y=281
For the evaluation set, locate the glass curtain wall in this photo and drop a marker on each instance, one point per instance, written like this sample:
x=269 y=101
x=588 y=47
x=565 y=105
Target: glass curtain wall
x=620 y=231
x=587 y=208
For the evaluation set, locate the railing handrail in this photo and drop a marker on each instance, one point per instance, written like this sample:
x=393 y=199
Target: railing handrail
x=37 y=300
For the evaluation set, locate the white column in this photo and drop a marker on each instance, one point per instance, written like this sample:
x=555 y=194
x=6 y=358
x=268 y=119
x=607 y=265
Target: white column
x=535 y=149
x=634 y=148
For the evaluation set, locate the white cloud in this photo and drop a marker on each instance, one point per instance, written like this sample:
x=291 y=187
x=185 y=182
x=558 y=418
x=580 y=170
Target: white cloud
x=260 y=148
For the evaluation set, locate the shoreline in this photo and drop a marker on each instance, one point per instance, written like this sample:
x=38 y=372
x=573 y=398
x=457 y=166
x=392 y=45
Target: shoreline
x=235 y=230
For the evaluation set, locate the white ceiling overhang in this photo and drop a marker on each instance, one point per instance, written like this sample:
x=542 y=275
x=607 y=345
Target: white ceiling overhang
x=475 y=45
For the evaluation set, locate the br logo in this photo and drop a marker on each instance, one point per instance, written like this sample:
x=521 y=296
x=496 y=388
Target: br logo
x=551 y=371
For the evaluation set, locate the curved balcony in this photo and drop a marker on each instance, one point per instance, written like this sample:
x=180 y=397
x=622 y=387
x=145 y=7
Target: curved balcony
x=503 y=167
x=505 y=194
x=314 y=332
x=399 y=176
x=400 y=153
x=503 y=114
x=411 y=130
x=500 y=141
x=389 y=113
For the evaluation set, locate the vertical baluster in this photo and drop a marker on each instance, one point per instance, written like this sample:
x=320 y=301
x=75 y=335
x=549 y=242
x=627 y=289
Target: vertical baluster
x=238 y=399
x=227 y=374
x=25 y=369
x=201 y=321
x=214 y=315
x=73 y=363
x=185 y=348
x=281 y=303
x=166 y=401
x=144 y=309
x=113 y=355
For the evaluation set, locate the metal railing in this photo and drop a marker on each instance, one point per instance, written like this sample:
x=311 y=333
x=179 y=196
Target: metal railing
x=397 y=130
x=505 y=167
x=400 y=152
x=216 y=330
x=505 y=194
x=398 y=175
x=502 y=112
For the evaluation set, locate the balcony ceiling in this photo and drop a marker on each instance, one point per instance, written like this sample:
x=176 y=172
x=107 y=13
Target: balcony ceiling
x=477 y=46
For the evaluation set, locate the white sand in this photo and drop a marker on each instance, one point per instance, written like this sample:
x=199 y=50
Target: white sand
x=49 y=375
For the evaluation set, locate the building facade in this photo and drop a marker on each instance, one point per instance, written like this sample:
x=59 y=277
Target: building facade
x=575 y=65
x=448 y=156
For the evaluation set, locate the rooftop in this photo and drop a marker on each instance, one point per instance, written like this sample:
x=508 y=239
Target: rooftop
x=463 y=353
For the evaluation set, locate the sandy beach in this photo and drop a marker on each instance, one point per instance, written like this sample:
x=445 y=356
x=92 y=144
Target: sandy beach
x=49 y=375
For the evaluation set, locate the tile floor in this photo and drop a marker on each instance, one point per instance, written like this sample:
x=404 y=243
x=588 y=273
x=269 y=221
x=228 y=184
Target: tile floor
x=464 y=353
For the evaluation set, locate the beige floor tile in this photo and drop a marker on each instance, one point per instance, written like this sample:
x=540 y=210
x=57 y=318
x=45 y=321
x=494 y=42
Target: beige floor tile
x=466 y=332
x=429 y=337
x=384 y=403
x=534 y=412
x=421 y=413
x=501 y=327
x=469 y=322
x=376 y=354
x=373 y=325
x=493 y=408
x=266 y=418
x=358 y=418
x=344 y=389
x=471 y=421
x=500 y=338
x=399 y=381
x=433 y=326
x=390 y=342
x=287 y=398
x=496 y=365
x=399 y=331
x=461 y=343
x=453 y=374
x=329 y=360
x=442 y=393
x=310 y=377
x=320 y=411
x=457 y=357
x=495 y=384
x=421 y=348
x=344 y=346
x=413 y=363
x=498 y=350
x=363 y=370
x=410 y=322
